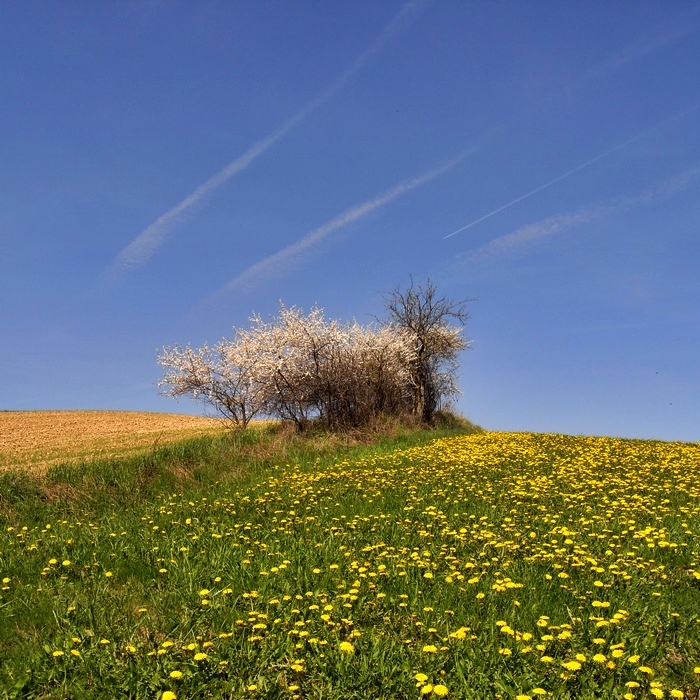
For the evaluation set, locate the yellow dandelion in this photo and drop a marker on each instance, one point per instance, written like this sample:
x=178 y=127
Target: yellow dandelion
x=346 y=647
x=571 y=665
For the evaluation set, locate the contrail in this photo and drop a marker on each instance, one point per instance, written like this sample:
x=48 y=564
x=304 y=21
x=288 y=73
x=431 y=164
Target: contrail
x=578 y=168
x=286 y=259
x=557 y=224
x=140 y=250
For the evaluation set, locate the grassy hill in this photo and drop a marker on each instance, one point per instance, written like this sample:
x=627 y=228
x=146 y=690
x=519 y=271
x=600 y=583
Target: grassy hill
x=264 y=565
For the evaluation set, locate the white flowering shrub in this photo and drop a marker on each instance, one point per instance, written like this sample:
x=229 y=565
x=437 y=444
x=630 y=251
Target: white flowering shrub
x=302 y=367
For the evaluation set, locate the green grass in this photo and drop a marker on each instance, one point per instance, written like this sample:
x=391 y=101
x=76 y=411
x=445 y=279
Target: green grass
x=273 y=566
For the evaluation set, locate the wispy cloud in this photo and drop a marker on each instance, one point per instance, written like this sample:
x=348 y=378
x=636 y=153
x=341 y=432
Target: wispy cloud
x=525 y=236
x=142 y=248
x=693 y=107
x=680 y=27
x=290 y=257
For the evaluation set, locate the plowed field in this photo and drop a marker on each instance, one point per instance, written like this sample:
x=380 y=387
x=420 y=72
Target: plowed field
x=35 y=440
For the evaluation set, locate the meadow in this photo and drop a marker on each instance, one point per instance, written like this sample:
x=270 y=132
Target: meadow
x=488 y=565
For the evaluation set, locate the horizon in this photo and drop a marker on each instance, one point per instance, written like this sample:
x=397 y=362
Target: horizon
x=170 y=170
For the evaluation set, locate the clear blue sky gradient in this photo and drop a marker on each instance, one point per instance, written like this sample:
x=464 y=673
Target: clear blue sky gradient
x=166 y=169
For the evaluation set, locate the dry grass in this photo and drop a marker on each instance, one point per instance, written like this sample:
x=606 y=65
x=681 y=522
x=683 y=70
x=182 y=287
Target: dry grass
x=35 y=440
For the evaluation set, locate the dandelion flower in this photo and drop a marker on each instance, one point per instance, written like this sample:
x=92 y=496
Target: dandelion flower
x=426 y=689
x=430 y=649
x=440 y=690
x=572 y=665
x=168 y=695
x=176 y=674
x=347 y=647
x=201 y=656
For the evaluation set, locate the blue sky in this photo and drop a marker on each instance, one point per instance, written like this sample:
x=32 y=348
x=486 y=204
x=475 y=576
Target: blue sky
x=167 y=169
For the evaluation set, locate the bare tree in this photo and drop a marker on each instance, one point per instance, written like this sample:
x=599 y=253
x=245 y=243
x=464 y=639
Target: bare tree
x=423 y=317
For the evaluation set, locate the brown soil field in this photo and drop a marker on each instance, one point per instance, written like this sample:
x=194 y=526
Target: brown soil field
x=35 y=440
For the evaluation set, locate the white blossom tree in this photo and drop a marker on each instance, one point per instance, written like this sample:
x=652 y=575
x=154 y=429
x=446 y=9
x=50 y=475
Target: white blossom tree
x=223 y=377
x=302 y=367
